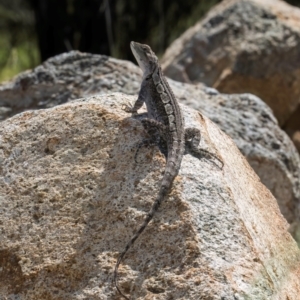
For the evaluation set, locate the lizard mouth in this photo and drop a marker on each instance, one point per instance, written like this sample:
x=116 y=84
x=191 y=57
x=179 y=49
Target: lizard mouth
x=136 y=50
x=139 y=55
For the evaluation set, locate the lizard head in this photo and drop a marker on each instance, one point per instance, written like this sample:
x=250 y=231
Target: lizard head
x=145 y=57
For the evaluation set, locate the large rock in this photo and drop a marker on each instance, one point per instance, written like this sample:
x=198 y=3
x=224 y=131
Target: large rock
x=296 y=139
x=268 y=149
x=292 y=128
x=243 y=46
x=71 y=196
x=244 y=117
x=67 y=77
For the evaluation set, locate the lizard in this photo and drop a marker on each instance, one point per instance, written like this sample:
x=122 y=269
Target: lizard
x=164 y=125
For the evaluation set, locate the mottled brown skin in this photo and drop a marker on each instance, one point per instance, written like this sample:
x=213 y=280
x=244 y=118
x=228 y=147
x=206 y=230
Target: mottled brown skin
x=165 y=123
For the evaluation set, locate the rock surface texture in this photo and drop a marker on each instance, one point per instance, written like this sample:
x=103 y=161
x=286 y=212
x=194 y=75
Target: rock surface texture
x=67 y=77
x=243 y=46
x=243 y=117
x=253 y=127
x=296 y=139
x=71 y=196
x=292 y=128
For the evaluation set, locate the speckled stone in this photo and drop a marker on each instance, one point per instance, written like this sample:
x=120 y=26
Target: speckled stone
x=71 y=196
x=243 y=46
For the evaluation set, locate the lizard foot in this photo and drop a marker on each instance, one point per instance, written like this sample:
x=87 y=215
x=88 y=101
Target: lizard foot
x=127 y=107
x=192 y=141
x=144 y=143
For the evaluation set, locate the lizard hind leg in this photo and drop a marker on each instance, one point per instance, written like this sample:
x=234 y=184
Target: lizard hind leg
x=192 y=140
x=156 y=131
x=144 y=143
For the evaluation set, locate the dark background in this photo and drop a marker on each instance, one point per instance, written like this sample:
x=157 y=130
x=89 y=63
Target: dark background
x=33 y=30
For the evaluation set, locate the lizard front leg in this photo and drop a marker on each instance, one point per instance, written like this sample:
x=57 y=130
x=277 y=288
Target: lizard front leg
x=156 y=132
x=139 y=102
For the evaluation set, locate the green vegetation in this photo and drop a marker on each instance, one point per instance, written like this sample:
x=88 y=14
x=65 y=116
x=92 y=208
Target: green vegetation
x=15 y=58
x=18 y=47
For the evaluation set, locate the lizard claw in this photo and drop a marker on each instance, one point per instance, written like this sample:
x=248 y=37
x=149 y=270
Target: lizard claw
x=127 y=107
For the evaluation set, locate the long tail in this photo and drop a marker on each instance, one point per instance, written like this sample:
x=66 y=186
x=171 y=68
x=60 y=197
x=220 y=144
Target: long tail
x=162 y=194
